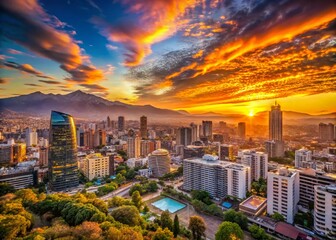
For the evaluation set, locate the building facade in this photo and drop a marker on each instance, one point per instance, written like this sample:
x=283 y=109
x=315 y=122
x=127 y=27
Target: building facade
x=207 y=129
x=257 y=161
x=159 y=162
x=226 y=152
x=275 y=123
x=133 y=147
x=143 y=127
x=283 y=193
x=121 y=123
x=218 y=178
x=302 y=156
x=96 y=166
x=241 y=130
x=63 y=169
x=184 y=136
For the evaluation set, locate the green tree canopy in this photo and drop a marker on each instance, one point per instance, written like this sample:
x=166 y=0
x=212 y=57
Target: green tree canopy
x=258 y=233
x=197 y=227
x=229 y=231
x=137 y=200
x=6 y=188
x=160 y=234
x=278 y=217
x=176 y=226
x=128 y=215
x=237 y=217
x=166 y=221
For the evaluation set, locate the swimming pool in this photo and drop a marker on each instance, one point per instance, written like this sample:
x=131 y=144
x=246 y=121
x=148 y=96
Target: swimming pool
x=168 y=204
x=226 y=204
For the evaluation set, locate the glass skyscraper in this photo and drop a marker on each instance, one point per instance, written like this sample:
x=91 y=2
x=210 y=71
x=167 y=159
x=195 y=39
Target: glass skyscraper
x=63 y=168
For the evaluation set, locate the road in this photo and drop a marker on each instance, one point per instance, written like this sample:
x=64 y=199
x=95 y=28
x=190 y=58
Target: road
x=122 y=191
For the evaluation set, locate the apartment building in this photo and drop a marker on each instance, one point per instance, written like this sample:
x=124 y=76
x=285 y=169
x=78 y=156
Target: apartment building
x=302 y=157
x=283 y=193
x=96 y=165
x=257 y=161
x=218 y=178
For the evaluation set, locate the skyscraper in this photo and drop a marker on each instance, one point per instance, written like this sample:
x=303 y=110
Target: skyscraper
x=108 y=122
x=194 y=132
x=326 y=131
x=143 y=127
x=133 y=146
x=275 y=123
x=121 y=123
x=242 y=130
x=63 y=170
x=183 y=136
x=207 y=129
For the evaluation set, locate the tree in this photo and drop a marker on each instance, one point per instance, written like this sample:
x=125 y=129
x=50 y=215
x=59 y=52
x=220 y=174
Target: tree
x=146 y=209
x=12 y=226
x=229 y=231
x=124 y=233
x=89 y=230
x=201 y=196
x=258 y=233
x=137 y=200
x=166 y=221
x=128 y=215
x=176 y=226
x=119 y=179
x=278 y=217
x=197 y=227
x=135 y=187
x=130 y=174
x=165 y=234
x=117 y=201
x=6 y=188
x=236 y=217
x=152 y=186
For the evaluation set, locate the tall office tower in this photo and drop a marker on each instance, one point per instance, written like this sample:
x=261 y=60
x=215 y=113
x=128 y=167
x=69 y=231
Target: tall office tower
x=133 y=147
x=283 y=193
x=183 y=136
x=301 y=157
x=159 y=162
x=226 y=152
x=157 y=144
x=207 y=129
x=325 y=211
x=308 y=179
x=143 y=127
x=218 y=178
x=99 y=138
x=6 y=154
x=121 y=123
x=80 y=137
x=258 y=161
x=19 y=152
x=146 y=147
x=194 y=132
x=275 y=123
x=108 y=121
x=326 y=132
x=31 y=137
x=63 y=170
x=241 y=130
x=274 y=148
x=43 y=156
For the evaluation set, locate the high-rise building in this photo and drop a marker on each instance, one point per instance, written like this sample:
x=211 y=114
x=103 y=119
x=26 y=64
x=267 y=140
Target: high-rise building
x=63 y=169
x=121 y=123
x=6 y=154
x=302 y=156
x=326 y=132
x=308 y=179
x=258 y=162
x=159 y=162
x=99 y=138
x=183 y=136
x=222 y=126
x=133 y=147
x=274 y=148
x=242 y=130
x=218 y=138
x=325 y=210
x=90 y=134
x=19 y=152
x=96 y=166
x=146 y=147
x=226 y=152
x=275 y=123
x=283 y=193
x=207 y=129
x=43 y=156
x=108 y=121
x=194 y=132
x=193 y=151
x=143 y=127
x=31 y=137
x=218 y=178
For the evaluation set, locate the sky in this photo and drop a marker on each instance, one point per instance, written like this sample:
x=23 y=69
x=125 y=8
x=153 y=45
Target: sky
x=225 y=56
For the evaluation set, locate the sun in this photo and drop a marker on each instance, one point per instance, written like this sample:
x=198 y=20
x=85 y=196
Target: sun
x=251 y=113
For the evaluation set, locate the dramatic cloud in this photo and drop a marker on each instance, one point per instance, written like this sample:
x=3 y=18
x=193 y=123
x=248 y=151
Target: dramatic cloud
x=50 y=82
x=256 y=50
x=27 y=23
x=3 y=80
x=32 y=85
x=156 y=21
x=26 y=68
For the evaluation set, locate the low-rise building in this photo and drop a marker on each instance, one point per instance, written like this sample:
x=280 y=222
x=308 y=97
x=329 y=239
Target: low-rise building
x=253 y=206
x=96 y=166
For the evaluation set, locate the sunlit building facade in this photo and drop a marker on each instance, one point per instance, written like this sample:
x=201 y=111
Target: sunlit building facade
x=63 y=169
x=143 y=127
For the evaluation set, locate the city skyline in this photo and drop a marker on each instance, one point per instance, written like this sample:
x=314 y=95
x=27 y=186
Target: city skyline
x=200 y=56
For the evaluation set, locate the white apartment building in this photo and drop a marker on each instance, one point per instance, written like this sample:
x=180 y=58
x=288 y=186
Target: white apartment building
x=302 y=157
x=283 y=193
x=325 y=210
x=218 y=178
x=95 y=165
x=136 y=162
x=258 y=162
x=133 y=147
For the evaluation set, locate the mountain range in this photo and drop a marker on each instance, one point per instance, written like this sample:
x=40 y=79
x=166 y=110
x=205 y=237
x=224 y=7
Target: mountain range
x=85 y=105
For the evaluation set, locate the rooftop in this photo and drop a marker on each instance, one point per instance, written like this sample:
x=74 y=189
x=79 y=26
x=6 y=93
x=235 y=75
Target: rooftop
x=254 y=202
x=160 y=152
x=217 y=163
